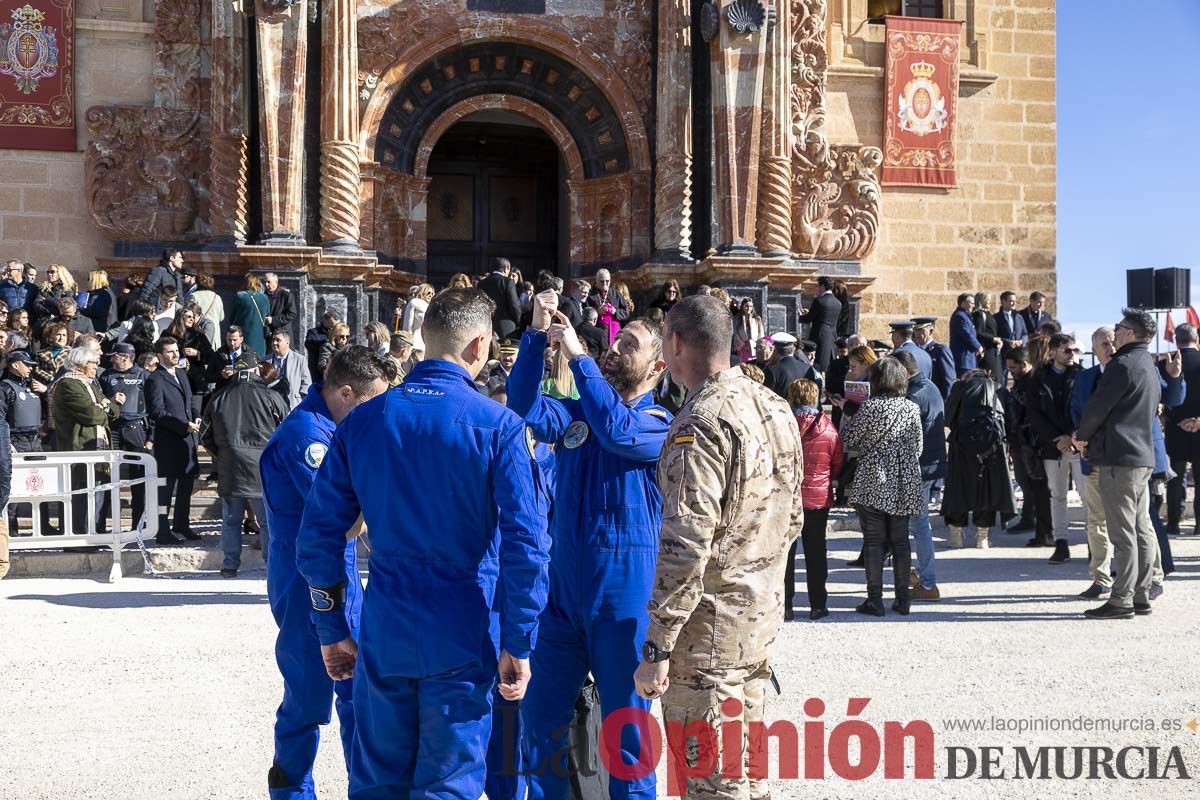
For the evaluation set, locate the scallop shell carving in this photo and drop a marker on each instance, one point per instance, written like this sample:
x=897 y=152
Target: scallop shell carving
x=746 y=16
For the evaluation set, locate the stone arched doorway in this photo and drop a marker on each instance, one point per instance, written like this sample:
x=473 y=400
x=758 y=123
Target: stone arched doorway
x=597 y=201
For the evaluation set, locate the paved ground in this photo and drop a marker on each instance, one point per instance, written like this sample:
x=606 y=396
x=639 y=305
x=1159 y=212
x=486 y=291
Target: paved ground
x=165 y=688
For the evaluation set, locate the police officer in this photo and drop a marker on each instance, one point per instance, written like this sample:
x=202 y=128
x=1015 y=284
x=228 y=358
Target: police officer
x=730 y=477
x=605 y=533
x=942 y=372
x=288 y=467
x=430 y=648
x=131 y=430
x=21 y=406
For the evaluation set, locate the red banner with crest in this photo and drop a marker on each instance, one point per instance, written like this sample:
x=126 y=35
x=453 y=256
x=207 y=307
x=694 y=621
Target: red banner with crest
x=37 y=74
x=921 y=102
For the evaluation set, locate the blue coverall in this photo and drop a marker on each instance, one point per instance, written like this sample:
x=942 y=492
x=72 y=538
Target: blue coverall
x=607 y=512
x=448 y=487
x=288 y=466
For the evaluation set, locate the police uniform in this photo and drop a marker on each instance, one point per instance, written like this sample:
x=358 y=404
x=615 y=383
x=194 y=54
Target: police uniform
x=288 y=467
x=429 y=642
x=730 y=477
x=131 y=429
x=942 y=371
x=21 y=408
x=605 y=533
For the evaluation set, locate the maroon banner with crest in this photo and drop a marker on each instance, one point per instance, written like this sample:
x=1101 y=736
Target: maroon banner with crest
x=37 y=74
x=920 y=102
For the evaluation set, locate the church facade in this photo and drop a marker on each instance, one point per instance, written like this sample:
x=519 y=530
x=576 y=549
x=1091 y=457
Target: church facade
x=356 y=148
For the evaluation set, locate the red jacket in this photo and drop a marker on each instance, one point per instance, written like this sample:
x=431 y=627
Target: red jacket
x=823 y=457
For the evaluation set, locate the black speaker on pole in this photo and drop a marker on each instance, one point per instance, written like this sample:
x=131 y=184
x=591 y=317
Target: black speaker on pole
x=1139 y=288
x=1172 y=288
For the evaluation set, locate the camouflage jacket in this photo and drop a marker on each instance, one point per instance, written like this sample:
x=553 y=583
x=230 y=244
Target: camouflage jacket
x=730 y=476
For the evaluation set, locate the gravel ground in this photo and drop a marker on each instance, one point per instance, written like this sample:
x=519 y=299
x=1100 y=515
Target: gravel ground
x=166 y=688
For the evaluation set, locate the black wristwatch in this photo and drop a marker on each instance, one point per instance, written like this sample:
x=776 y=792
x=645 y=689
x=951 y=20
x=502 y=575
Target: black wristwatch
x=652 y=655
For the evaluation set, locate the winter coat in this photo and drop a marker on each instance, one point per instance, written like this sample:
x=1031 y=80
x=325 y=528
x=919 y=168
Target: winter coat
x=885 y=434
x=823 y=458
x=250 y=312
x=1120 y=416
x=976 y=481
x=239 y=420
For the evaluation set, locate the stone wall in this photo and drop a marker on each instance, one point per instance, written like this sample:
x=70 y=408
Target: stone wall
x=43 y=213
x=996 y=231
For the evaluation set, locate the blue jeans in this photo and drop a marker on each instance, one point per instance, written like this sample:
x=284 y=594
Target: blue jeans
x=922 y=538
x=233 y=510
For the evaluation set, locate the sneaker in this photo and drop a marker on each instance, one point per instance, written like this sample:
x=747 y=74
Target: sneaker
x=1062 y=553
x=1156 y=590
x=229 y=573
x=1108 y=611
x=1141 y=609
x=919 y=592
x=874 y=608
x=1094 y=592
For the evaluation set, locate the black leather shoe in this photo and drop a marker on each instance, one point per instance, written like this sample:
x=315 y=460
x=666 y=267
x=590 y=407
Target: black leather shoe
x=168 y=538
x=818 y=613
x=1173 y=530
x=188 y=533
x=1141 y=609
x=872 y=608
x=901 y=607
x=1036 y=542
x=1108 y=611
x=228 y=573
x=1094 y=592
x=1062 y=554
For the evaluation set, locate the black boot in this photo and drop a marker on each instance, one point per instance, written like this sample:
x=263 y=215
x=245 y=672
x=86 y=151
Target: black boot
x=873 y=605
x=858 y=562
x=1061 y=553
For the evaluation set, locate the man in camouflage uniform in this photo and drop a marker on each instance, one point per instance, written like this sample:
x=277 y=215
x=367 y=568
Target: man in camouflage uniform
x=730 y=477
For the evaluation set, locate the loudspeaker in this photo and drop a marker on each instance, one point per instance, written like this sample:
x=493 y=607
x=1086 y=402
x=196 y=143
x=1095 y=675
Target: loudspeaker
x=1139 y=288
x=1172 y=288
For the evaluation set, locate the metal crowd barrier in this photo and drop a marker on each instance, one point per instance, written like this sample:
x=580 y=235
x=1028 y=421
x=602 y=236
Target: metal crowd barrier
x=43 y=480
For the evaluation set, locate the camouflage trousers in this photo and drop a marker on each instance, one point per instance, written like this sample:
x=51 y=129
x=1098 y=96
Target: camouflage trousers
x=693 y=700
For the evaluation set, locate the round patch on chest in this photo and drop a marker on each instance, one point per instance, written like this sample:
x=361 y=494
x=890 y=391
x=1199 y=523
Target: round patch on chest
x=576 y=435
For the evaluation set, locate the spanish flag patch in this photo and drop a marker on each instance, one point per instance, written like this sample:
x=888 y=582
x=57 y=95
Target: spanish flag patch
x=684 y=438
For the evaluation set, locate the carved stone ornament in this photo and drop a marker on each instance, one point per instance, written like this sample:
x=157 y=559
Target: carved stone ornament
x=710 y=21
x=835 y=189
x=746 y=16
x=278 y=5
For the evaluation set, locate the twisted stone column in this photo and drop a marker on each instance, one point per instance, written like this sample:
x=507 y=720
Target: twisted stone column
x=775 y=168
x=673 y=147
x=227 y=185
x=340 y=179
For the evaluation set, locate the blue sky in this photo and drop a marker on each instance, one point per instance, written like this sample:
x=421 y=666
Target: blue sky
x=1128 y=150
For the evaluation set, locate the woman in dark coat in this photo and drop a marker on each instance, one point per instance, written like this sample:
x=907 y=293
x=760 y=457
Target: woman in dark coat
x=988 y=334
x=977 y=483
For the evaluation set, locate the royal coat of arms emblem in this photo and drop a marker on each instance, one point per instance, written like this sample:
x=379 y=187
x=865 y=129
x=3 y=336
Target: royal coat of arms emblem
x=28 y=48
x=922 y=109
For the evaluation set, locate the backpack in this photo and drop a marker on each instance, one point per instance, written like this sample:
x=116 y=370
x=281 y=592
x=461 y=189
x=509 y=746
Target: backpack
x=982 y=435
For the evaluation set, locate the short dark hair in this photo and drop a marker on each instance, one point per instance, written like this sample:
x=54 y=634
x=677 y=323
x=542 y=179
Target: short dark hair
x=138 y=308
x=964 y=296
x=907 y=360
x=1037 y=296
x=1059 y=339
x=454 y=317
x=888 y=378
x=704 y=322
x=825 y=282
x=1005 y=295
x=164 y=342
x=1018 y=354
x=236 y=329
x=543 y=280
x=330 y=315
x=357 y=366
x=1051 y=326
x=1140 y=322
x=168 y=291
x=655 y=329
x=501 y=265
x=1185 y=334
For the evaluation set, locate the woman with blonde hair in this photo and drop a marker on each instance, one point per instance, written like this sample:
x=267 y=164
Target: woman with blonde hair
x=339 y=339
x=414 y=313
x=378 y=338
x=988 y=334
x=212 y=307
x=59 y=285
x=459 y=280
x=251 y=307
x=623 y=290
x=559 y=382
x=100 y=305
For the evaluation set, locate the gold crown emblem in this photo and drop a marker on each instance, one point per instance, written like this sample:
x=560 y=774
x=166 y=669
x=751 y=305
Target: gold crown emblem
x=923 y=69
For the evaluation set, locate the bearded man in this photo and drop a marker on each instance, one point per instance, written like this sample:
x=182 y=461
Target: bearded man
x=605 y=522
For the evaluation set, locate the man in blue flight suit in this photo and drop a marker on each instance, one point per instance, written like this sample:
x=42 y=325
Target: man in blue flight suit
x=430 y=648
x=902 y=339
x=607 y=512
x=942 y=374
x=288 y=467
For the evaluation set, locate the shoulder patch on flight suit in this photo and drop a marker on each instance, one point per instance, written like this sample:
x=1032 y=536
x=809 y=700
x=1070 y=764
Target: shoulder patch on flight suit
x=314 y=454
x=576 y=435
x=657 y=412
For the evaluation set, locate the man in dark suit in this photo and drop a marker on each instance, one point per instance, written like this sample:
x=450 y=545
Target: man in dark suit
x=1009 y=323
x=1033 y=315
x=789 y=367
x=500 y=287
x=822 y=319
x=964 y=344
x=942 y=375
x=169 y=404
x=595 y=337
x=571 y=304
x=1183 y=446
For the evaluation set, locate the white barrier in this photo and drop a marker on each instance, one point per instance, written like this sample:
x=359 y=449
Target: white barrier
x=44 y=479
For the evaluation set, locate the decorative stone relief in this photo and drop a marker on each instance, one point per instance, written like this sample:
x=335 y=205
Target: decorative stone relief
x=746 y=16
x=835 y=189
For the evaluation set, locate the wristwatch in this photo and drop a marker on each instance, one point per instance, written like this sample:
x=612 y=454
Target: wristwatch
x=652 y=655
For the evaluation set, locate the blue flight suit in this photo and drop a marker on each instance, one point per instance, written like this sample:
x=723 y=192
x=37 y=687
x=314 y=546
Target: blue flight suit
x=288 y=467
x=447 y=485
x=942 y=374
x=607 y=513
x=924 y=362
